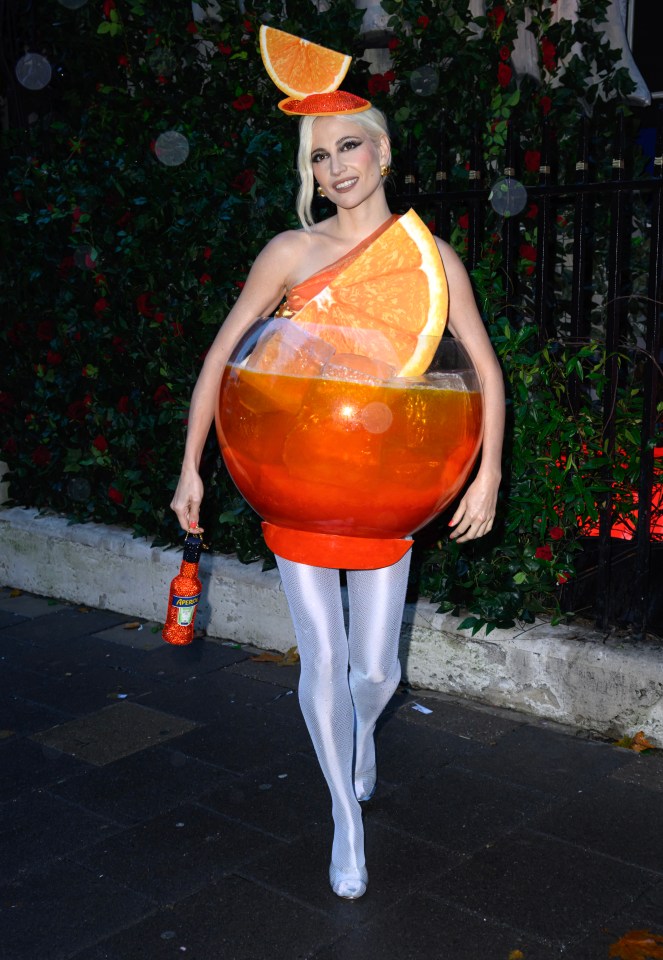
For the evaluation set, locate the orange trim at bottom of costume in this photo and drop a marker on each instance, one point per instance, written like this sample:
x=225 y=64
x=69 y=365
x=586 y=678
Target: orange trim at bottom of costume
x=333 y=550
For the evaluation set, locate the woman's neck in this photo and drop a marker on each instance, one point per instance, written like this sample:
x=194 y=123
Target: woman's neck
x=359 y=222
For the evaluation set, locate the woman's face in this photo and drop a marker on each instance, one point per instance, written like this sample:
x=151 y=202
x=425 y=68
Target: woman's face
x=346 y=161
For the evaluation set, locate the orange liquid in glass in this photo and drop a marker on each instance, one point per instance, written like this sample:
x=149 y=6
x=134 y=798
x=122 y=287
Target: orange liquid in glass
x=363 y=459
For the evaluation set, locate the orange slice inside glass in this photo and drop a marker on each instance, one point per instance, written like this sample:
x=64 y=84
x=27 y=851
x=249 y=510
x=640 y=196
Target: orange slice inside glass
x=390 y=303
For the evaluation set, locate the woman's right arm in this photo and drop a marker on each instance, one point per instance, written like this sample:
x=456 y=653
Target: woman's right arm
x=262 y=292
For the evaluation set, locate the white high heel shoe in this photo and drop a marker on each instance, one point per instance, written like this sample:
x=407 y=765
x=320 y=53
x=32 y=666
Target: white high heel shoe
x=348 y=884
x=365 y=784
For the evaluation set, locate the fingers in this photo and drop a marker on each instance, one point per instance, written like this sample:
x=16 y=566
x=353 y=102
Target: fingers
x=469 y=526
x=186 y=504
x=472 y=530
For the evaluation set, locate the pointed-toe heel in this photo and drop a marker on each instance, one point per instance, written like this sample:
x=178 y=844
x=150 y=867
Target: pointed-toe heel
x=348 y=884
x=365 y=784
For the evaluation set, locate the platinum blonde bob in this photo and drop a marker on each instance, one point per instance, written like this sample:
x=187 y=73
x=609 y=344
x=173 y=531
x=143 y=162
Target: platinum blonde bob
x=373 y=121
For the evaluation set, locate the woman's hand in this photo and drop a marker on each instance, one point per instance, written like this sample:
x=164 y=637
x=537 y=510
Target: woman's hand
x=187 y=499
x=476 y=511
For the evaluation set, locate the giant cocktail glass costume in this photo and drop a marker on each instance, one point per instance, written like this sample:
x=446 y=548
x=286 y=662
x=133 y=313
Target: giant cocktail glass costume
x=344 y=457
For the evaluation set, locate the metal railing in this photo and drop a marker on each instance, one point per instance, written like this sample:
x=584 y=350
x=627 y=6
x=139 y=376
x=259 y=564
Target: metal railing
x=583 y=197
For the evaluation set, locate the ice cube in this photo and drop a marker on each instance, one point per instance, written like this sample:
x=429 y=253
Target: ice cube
x=357 y=368
x=287 y=348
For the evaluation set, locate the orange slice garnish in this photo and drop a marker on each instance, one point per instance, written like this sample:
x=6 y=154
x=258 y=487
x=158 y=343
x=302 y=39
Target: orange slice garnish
x=299 y=67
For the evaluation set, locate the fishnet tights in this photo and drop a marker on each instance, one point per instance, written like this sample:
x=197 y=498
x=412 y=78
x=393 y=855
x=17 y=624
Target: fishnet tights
x=346 y=682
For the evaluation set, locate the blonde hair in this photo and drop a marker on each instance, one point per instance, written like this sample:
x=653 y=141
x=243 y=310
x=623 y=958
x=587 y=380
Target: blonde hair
x=374 y=123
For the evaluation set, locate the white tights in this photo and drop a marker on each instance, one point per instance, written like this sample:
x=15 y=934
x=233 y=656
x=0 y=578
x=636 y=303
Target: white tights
x=346 y=682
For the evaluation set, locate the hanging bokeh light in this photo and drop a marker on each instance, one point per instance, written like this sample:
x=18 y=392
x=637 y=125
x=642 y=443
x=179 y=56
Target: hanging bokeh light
x=425 y=81
x=171 y=148
x=508 y=197
x=33 y=71
x=72 y=4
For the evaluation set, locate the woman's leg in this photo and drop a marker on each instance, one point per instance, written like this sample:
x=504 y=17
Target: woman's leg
x=314 y=598
x=376 y=599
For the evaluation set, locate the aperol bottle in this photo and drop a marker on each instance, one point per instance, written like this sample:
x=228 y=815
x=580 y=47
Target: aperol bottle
x=184 y=595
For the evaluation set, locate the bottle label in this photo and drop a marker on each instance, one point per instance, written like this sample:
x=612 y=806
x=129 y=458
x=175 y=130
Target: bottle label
x=186 y=609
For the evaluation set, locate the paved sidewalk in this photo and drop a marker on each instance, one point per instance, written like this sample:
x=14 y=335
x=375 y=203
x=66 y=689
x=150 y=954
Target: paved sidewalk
x=161 y=802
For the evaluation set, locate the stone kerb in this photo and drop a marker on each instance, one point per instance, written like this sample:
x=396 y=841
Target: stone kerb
x=567 y=674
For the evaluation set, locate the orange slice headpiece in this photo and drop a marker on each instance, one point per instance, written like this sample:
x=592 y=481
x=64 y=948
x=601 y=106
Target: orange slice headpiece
x=309 y=74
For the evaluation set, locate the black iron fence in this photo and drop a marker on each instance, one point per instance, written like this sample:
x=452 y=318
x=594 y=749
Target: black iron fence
x=607 y=220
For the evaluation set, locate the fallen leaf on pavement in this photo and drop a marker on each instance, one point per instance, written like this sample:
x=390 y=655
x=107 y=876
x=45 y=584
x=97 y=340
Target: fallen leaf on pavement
x=516 y=955
x=15 y=592
x=638 y=743
x=638 y=945
x=133 y=625
x=287 y=659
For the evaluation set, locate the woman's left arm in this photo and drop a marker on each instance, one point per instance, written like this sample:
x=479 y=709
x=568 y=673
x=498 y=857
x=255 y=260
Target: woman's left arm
x=475 y=513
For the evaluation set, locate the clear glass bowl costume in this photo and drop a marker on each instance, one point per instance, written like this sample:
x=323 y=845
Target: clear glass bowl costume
x=321 y=442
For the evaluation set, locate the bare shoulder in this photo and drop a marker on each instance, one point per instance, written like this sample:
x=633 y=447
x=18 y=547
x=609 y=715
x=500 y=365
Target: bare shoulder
x=450 y=258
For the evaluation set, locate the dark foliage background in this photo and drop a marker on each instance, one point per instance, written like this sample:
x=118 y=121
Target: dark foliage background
x=118 y=267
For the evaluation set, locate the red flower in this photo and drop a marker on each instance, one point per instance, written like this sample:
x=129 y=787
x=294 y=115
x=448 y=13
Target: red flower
x=146 y=457
x=546 y=105
x=505 y=52
x=19 y=196
x=122 y=405
x=532 y=160
x=45 y=330
x=65 y=266
x=77 y=410
x=377 y=83
x=389 y=75
x=41 y=456
x=565 y=576
x=123 y=60
x=543 y=553
x=144 y=306
x=549 y=54
x=207 y=253
x=248 y=26
x=101 y=306
x=162 y=395
x=244 y=181
x=107 y=6
x=100 y=443
x=224 y=48
x=159 y=317
x=532 y=211
x=496 y=16
x=528 y=252
x=464 y=221
x=118 y=344
x=192 y=27
x=115 y=494
x=394 y=43
x=504 y=74
x=556 y=533
x=244 y=102
x=423 y=21
x=53 y=358
x=177 y=328
x=204 y=278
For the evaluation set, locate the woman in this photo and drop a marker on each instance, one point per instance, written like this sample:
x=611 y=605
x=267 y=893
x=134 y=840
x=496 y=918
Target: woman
x=346 y=681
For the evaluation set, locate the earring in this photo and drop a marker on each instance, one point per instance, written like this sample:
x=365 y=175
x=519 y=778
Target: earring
x=320 y=192
x=385 y=170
